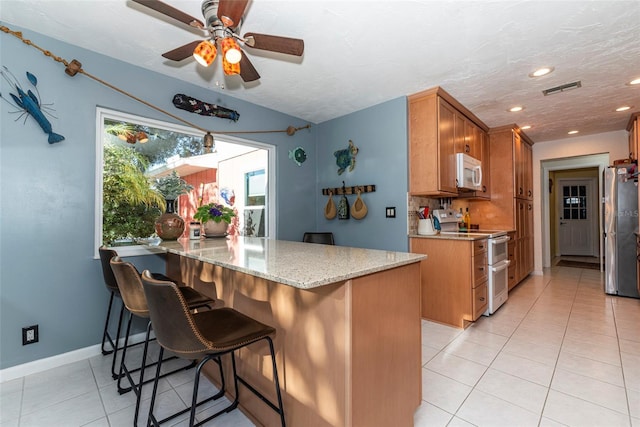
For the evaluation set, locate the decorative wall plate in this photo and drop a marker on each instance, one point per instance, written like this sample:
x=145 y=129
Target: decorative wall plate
x=298 y=155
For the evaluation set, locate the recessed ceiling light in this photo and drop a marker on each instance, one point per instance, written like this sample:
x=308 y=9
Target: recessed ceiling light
x=542 y=71
x=525 y=127
x=634 y=81
x=624 y=108
x=515 y=109
x=572 y=132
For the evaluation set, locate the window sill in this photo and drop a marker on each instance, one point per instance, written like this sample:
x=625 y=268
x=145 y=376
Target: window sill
x=134 y=250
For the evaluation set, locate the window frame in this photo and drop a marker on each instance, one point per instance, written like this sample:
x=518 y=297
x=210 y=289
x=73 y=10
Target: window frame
x=137 y=250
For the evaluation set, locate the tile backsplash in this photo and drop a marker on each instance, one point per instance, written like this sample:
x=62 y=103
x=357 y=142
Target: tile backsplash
x=415 y=202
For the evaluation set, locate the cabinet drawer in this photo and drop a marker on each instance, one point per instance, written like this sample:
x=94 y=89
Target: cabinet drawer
x=480 y=300
x=479 y=246
x=480 y=273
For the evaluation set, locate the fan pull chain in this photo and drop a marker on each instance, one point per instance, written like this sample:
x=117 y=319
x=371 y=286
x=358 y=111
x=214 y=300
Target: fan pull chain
x=74 y=67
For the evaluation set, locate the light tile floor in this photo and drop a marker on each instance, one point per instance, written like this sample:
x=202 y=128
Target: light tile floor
x=559 y=353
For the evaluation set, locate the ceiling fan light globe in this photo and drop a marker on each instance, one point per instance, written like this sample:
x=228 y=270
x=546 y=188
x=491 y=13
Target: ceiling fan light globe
x=233 y=56
x=229 y=68
x=231 y=50
x=205 y=53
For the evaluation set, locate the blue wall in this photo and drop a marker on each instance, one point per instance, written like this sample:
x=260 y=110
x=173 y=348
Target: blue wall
x=47 y=272
x=380 y=133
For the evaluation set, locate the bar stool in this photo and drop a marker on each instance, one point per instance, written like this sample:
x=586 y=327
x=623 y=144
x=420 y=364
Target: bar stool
x=325 y=238
x=112 y=286
x=205 y=335
x=132 y=293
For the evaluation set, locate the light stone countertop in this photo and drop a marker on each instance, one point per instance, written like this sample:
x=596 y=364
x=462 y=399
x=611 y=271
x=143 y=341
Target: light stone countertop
x=301 y=265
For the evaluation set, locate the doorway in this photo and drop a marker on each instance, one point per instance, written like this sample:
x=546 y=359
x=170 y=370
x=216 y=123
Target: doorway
x=549 y=218
x=577 y=213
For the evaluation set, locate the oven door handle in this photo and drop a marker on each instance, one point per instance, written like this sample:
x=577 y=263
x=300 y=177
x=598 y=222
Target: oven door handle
x=500 y=266
x=500 y=240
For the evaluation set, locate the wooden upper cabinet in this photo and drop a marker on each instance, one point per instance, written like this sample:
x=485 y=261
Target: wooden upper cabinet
x=522 y=160
x=473 y=140
x=432 y=161
x=634 y=135
x=485 y=193
x=439 y=128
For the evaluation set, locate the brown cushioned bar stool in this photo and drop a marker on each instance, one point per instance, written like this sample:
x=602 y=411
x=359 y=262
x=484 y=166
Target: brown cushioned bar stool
x=206 y=335
x=112 y=286
x=130 y=287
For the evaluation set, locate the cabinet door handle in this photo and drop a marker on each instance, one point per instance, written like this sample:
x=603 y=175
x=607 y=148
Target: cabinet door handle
x=511 y=277
x=481 y=268
x=529 y=206
x=481 y=298
x=467 y=148
x=529 y=193
x=520 y=190
x=484 y=188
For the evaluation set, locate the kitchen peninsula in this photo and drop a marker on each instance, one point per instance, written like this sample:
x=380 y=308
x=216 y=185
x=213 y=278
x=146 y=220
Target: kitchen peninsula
x=348 y=340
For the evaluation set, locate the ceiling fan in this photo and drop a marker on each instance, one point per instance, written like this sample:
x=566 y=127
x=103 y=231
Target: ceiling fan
x=223 y=20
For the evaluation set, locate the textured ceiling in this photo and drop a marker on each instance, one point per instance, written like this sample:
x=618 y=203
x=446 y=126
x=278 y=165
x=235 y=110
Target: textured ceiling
x=362 y=53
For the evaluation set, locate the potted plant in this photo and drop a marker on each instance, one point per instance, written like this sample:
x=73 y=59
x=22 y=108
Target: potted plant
x=171 y=187
x=170 y=225
x=215 y=218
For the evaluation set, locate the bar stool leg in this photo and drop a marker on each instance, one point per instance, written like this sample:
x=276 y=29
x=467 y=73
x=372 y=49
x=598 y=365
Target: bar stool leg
x=151 y=420
x=105 y=334
x=115 y=349
x=275 y=378
x=123 y=371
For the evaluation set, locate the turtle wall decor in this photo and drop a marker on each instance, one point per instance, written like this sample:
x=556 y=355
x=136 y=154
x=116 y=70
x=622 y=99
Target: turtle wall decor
x=346 y=158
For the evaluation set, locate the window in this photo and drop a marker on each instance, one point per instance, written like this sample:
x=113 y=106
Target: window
x=574 y=201
x=132 y=151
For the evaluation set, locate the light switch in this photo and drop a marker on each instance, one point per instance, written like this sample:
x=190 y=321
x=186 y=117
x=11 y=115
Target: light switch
x=391 y=212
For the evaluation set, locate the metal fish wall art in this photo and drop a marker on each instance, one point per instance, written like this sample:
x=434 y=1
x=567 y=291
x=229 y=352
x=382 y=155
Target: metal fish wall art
x=29 y=103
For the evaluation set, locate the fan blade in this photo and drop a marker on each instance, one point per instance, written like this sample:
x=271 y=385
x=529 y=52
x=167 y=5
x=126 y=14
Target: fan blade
x=171 y=12
x=182 y=52
x=275 y=43
x=247 y=71
x=230 y=12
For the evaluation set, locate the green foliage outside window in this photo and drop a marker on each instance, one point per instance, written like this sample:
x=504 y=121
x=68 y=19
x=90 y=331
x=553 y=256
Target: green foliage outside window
x=130 y=204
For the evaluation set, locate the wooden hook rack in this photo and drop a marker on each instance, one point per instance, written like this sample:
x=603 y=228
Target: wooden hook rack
x=338 y=191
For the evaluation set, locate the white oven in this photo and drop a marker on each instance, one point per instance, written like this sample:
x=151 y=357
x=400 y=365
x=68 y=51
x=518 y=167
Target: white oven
x=498 y=285
x=498 y=249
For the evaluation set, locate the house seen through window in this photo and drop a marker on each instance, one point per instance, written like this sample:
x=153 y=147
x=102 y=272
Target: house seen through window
x=134 y=152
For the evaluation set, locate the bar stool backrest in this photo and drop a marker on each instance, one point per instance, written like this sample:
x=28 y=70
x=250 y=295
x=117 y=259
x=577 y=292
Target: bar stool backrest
x=130 y=285
x=107 y=273
x=172 y=321
x=325 y=238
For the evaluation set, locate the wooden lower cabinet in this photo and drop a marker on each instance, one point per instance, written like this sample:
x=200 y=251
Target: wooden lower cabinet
x=480 y=300
x=453 y=279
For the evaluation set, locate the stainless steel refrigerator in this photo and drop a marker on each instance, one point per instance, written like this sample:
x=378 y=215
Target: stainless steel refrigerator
x=620 y=213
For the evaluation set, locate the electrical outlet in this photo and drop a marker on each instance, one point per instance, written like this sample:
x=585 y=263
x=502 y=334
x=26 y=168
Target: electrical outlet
x=30 y=335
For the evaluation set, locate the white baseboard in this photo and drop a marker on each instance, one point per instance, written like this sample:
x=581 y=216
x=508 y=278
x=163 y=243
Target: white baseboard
x=47 y=363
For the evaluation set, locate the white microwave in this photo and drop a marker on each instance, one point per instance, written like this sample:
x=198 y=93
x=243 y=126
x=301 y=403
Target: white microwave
x=468 y=172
